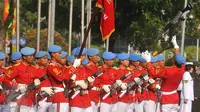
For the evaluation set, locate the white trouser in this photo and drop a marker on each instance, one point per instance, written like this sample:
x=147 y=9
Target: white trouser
x=158 y=107
x=4 y=108
x=125 y=107
x=13 y=106
x=151 y=106
x=76 y=109
x=105 y=107
x=142 y=106
x=94 y=106
x=25 y=108
x=60 y=107
x=44 y=107
x=186 y=107
x=169 y=107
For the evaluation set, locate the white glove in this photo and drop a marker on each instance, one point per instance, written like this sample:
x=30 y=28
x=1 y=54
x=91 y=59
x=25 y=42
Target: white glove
x=147 y=56
x=22 y=88
x=174 y=42
x=47 y=90
x=82 y=84
x=158 y=86
x=1 y=87
x=124 y=86
x=90 y=79
x=77 y=63
x=185 y=13
x=106 y=88
x=119 y=82
x=36 y=82
x=73 y=77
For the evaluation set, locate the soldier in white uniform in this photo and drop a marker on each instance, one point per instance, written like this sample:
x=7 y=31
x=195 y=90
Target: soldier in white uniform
x=187 y=93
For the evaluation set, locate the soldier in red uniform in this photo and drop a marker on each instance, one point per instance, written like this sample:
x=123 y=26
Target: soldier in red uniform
x=94 y=92
x=24 y=74
x=109 y=77
x=125 y=102
x=171 y=79
x=80 y=100
x=4 y=107
x=63 y=58
x=16 y=58
x=141 y=103
x=70 y=60
x=54 y=72
x=44 y=104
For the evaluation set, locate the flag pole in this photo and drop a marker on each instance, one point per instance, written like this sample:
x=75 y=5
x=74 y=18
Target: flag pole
x=107 y=44
x=87 y=31
x=70 y=27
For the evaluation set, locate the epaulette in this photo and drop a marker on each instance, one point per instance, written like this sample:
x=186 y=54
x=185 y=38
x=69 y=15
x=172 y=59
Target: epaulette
x=35 y=66
x=8 y=67
x=16 y=64
x=88 y=64
x=52 y=64
x=129 y=68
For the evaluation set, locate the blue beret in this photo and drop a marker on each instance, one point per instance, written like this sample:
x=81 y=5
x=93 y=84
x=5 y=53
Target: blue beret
x=179 y=58
x=76 y=51
x=161 y=57
x=63 y=54
x=92 y=52
x=16 y=56
x=123 y=56
x=108 y=55
x=48 y=56
x=85 y=62
x=54 y=48
x=142 y=60
x=2 y=55
x=134 y=57
x=41 y=54
x=27 y=51
x=154 y=59
x=70 y=59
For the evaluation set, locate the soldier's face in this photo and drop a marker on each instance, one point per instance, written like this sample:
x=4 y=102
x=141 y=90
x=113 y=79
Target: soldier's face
x=82 y=58
x=109 y=63
x=57 y=56
x=63 y=61
x=125 y=62
x=143 y=64
x=94 y=59
x=43 y=61
x=136 y=63
x=155 y=64
x=29 y=59
x=17 y=61
x=1 y=62
x=161 y=63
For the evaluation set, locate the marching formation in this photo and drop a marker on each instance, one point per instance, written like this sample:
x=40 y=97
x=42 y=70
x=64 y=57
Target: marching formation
x=54 y=82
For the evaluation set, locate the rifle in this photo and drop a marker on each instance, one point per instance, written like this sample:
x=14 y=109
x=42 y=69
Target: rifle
x=170 y=28
x=131 y=84
x=14 y=94
x=113 y=87
x=71 y=93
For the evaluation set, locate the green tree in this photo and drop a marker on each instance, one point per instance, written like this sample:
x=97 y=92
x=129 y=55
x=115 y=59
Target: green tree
x=191 y=53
